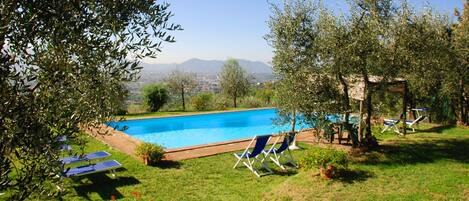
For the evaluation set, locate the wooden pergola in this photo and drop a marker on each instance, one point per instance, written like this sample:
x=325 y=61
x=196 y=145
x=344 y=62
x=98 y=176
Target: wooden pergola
x=358 y=90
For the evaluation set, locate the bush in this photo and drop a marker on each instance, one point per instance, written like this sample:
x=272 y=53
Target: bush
x=155 y=96
x=150 y=153
x=202 y=101
x=317 y=158
x=251 y=102
x=265 y=95
x=220 y=102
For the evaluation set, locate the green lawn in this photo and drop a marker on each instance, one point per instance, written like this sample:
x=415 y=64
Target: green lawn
x=430 y=165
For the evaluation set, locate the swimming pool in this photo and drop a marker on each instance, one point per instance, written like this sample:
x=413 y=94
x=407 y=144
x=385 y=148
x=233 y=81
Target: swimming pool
x=184 y=131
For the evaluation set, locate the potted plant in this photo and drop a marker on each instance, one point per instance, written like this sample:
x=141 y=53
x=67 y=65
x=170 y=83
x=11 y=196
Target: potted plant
x=326 y=160
x=149 y=153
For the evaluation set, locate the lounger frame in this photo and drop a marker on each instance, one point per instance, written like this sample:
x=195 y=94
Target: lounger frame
x=276 y=156
x=251 y=161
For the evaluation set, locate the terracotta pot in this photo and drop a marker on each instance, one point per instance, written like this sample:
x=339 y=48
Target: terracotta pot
x=328 y=172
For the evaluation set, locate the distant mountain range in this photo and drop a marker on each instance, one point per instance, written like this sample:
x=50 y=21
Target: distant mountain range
x=200 y=66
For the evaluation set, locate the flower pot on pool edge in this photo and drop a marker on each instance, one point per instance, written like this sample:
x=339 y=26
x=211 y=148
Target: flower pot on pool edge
x=328 y=172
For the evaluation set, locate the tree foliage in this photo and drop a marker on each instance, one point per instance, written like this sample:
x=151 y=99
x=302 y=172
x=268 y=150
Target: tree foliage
x=302 y=84
x=62 y=62
x=265 y=92
x=234 y=80
x=202 y=101
x=155 y=96
x=181 y=83
x=318 y=52
x=457 y=79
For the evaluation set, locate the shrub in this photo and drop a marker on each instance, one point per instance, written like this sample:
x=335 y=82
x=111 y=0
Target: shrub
x=155 y=96
x=220 y=102
x=317 y=158
x=251 y=102
x=202 y=101
x=150 y=153
x=265 y=95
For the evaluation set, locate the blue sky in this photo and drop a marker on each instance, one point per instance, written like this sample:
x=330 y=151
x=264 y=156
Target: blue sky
x=219 y=29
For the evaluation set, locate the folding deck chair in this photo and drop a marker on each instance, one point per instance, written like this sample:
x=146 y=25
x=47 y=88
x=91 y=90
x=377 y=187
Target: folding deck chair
x=110 y=165
x=391 y=124
x=279 y=152
x=411 y=123
x=86 y=157
x=251 y=157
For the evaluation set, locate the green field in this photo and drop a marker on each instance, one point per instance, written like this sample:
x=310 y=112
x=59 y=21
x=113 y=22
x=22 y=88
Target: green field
x=430 y=165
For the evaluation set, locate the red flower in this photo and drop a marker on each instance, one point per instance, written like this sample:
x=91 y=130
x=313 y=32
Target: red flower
x=136 y=194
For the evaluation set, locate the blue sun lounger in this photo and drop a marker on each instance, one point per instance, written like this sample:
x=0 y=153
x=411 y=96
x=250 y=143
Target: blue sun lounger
x=391 y=124
x=110 y=165
x=279 y=152
x=411 y=123
x=251 y=157
x=86 y=157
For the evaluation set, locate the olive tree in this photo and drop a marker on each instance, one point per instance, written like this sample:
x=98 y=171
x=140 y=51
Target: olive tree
x=181 y=83
x=316 y=52
x=303 y=92
x=234 y=80
x=155 y=96
x=457 y=86
x=62 y=62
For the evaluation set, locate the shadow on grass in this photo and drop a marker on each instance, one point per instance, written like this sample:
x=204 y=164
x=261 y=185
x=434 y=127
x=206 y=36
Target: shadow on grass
x=287 y=172
x=437 y=129
x=167 y=164
x=105 y=186
x=425 y=151
x=352 y=176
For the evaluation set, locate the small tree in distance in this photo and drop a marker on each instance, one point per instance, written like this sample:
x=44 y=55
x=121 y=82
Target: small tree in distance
x=181 y=83
x=202 y=102
x=234 y=80
x=155 y=96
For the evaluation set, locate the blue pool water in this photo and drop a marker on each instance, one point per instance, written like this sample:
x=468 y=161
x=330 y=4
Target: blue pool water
x=183 y=131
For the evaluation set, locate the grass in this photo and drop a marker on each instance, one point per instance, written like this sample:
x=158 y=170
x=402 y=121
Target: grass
x=172 y=113
x=430 y=165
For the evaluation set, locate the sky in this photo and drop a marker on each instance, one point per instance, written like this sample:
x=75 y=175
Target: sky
x=221 y=29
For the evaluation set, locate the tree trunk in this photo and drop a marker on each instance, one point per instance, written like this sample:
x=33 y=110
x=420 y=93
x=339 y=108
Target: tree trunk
x=360 y=123
x=234 y=101
x=369 y=108
x=293 y=121
x=404 y=111
x=294 y=144
x=183 y=100
x=463 y=115
x=412 y=104
x=346 y=102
